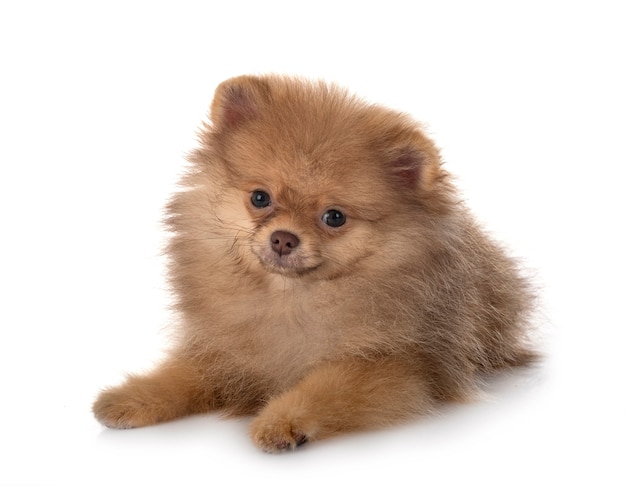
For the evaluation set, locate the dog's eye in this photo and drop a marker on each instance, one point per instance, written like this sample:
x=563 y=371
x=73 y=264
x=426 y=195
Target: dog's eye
x=334 y=218
x=260 y=199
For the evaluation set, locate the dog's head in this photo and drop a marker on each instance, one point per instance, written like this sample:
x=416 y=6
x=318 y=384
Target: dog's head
x=309 y=180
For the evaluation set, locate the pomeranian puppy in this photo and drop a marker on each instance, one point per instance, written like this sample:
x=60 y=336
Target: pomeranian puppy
x=327 y=276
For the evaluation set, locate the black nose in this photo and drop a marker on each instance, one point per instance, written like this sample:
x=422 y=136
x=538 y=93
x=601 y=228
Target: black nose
x=284 y=242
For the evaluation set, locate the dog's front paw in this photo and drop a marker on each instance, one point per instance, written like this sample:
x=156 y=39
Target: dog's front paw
x=282 y=426
x=276 y=435
x=120 y=408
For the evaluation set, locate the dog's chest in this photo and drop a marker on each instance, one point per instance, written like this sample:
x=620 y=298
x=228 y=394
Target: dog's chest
x=283 y=332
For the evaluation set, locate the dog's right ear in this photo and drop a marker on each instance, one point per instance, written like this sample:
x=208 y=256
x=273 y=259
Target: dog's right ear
x=238 y=101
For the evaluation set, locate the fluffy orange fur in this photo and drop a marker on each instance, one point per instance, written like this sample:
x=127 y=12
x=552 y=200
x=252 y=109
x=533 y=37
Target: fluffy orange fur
x=327 y=275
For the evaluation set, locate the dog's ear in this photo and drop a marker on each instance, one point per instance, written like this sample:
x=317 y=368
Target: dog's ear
x=413 y=161
x=408 y=166
x=416 y=172
x=238 y=101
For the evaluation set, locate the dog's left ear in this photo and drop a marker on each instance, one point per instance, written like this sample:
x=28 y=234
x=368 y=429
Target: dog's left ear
x=414 y=162
x=408 y=167
x=238 y=101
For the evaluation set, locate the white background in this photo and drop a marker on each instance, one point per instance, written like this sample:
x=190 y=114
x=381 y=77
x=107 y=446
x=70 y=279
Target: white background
x=99 y=101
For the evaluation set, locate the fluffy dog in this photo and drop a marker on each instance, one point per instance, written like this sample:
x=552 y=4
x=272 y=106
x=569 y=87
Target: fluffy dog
x=327 y=276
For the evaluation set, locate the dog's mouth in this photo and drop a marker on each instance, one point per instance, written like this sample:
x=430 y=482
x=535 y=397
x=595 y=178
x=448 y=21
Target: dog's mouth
x=285 y=253
x=293 y=264
x=290 y=265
